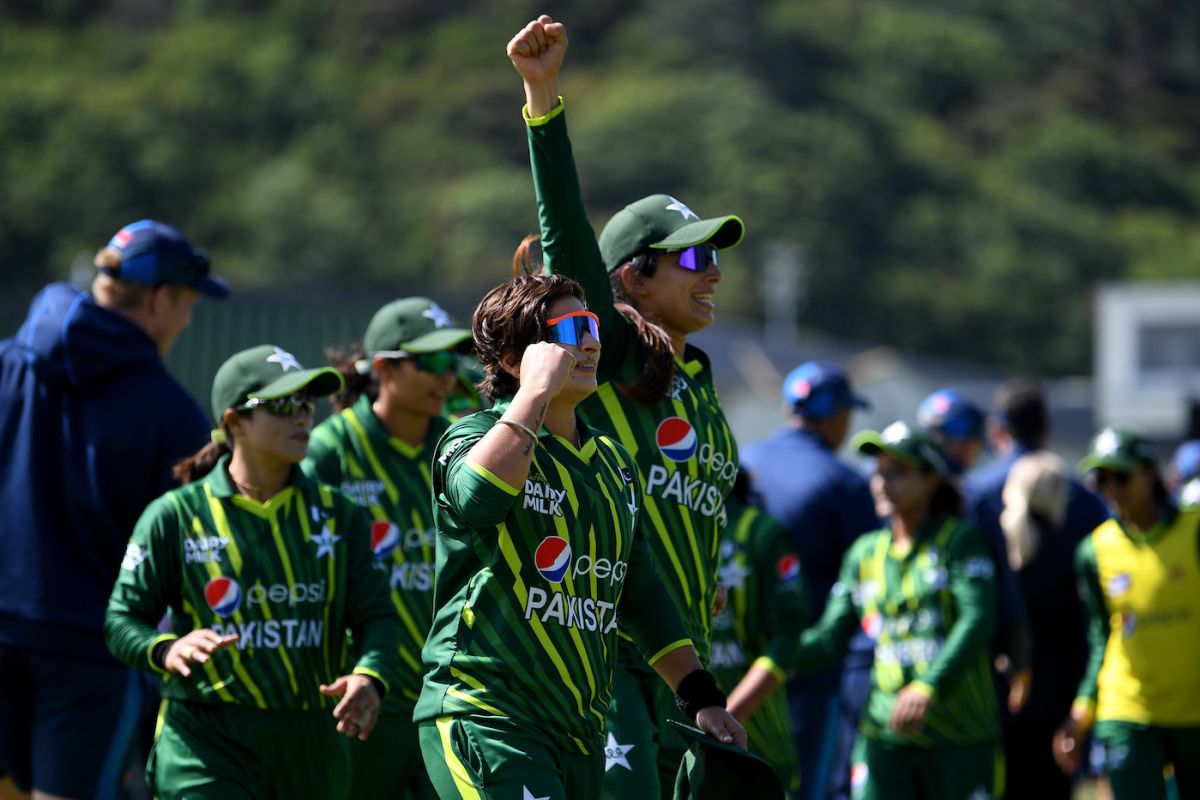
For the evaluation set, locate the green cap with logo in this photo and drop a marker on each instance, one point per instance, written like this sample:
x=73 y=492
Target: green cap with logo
x=660 y=222
x=904 y=443
x=713 y=770
x=267 y=372
x=413 y=325
x=1117 y=449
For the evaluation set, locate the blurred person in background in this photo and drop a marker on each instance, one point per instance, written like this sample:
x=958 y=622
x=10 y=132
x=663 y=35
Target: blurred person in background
x=825 y=505
x=1020 y=426
x=264 y=574
x=377 y=449
x=923 y=589
x=756 y=635
x=91 y=424
x=1139 y=574
x=1185 y=475
x=650 y=280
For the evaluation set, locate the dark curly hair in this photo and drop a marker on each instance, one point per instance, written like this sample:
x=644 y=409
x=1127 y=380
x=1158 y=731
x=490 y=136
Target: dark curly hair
x=656 y=354
x=513 y=316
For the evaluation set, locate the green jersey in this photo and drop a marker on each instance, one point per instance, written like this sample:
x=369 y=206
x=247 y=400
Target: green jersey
x=391 y=479
x=761 y=624
x=930 y=612
x=682 y=443
x=532 y=582
x=289 y=577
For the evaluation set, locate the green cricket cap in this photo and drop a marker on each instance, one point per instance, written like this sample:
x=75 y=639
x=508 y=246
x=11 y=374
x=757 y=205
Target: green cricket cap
x=713 y=770
x=660 y=222
x=413 y=325
x=267 y=372
x=904 y=443
x=1118 y=449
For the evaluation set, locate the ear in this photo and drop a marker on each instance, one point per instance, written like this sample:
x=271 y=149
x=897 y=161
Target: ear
x=512 y=365
x=379 y=364
x=231 y=420
x=633 y=283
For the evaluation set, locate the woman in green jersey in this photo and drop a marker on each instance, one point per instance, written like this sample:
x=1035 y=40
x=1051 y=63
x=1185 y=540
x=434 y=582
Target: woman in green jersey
x=537 y=561
x=923 y=590
x=262 y=572
x=378 y=449
x=650 y=279
x=1139 y=574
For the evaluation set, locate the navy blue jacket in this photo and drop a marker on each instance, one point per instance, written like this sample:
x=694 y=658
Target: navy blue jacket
x=825 y=505
x=1046 y=590
x=90 y=426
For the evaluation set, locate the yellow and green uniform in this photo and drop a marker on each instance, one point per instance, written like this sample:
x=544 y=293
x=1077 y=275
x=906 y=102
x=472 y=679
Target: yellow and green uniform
x=391 y=479
x=761 y=624
x=291 y=577
x=1142 y=593
x=531 y=584
x=930 y=610
x=682 y=444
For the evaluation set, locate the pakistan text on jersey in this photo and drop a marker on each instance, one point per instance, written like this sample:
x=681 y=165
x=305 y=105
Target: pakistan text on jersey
x=910 y=652
x=570 y=611
x=413 y=576
x=695 y=494
x=272 y=633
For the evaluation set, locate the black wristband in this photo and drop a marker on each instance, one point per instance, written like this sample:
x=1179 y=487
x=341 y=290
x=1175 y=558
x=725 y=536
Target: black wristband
x=698 y=690
x=159 y=654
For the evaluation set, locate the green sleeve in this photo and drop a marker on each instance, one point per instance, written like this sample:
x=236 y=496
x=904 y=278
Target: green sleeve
x=370 y=614
x=783 y=595
x=972 y=586
x=822 y=645
x=645 y=609
x=468 y=491
x=1088 y=578
x=148 y=582
x=323 y=462
x=568 y=241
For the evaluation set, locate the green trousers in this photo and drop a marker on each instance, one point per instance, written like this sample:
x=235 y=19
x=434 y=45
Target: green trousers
x=1135 y=759
x=887 y=771
x=225 y=751
x=388 y=765
x=497 y=758
x=642 y=751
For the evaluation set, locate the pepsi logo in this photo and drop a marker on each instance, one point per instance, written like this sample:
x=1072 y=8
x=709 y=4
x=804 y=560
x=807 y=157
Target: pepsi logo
x=858 y=776
x=385 y=537
x=553 y=558
x=788 y=567
x=223 y=595
x=872 y=625
x=676 y=439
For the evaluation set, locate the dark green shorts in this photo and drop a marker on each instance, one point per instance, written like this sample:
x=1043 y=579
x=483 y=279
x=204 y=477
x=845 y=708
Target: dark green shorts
x=1136 y=757
x=223 y=751
x=389 y=764
x=886 y=771
x=495 y=758
x=642 y=752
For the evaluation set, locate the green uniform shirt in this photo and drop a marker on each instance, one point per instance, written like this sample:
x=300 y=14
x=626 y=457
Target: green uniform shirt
x=391 y=479
x=532 y=581
x=289 y=576
x=1142 y=593
x=931 y=612
x=682 y=443
x=761 y=624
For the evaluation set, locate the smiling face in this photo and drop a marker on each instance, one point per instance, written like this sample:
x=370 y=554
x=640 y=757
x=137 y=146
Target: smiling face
x=582 y=380
x=906 y=489
x=680 y=300
x=269 y=436
x=411 y=390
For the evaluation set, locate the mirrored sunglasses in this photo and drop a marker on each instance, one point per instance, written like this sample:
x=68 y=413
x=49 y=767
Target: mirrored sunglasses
x=438 y=363
x=282 y=406
x=697 y=258
x=569 y=328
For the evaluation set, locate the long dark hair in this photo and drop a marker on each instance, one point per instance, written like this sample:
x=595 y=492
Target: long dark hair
x=356 y=383
x=655 y=352
x=947 y=500
x=198 y=464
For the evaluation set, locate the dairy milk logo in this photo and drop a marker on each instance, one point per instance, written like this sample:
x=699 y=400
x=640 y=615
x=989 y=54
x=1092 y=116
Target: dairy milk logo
x=553 y=558
x=385 y=537
x=676 y=439
x=223 y=595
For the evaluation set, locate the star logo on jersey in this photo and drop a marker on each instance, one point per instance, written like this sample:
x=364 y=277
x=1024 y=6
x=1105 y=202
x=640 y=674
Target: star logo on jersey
x=633 y=506
x=683 y=210
x=614 y=754
x=439 y=316
x=528 y=795
x=325 y=542
x=733 y=575
x=284 y=359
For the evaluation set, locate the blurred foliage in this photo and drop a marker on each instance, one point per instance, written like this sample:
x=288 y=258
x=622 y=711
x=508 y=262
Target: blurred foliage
x=959 y=173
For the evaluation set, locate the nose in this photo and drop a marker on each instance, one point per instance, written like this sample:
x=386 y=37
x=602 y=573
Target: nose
x=713 y=274
x=589 y=343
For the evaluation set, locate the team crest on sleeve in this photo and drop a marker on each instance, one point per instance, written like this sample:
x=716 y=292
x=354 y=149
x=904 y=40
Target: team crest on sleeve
x=223 y=595
x=676 y=439
x=553 y=558
x=385 y=537
x=135 y=554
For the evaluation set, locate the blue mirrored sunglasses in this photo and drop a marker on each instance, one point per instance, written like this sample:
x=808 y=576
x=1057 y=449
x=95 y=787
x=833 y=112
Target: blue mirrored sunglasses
x=569 y=328
x=697 y=258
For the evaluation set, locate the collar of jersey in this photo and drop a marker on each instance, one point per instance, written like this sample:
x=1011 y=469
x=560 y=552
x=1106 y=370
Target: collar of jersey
x=222 y=487
x=585 y=453
x=366 y=415
x=929 y=529
x=1156 y=530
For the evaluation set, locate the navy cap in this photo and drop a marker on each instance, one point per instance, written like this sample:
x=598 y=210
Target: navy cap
x=816 y=389
x=156 y=253
x=951 y=414
x=1187 y=460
